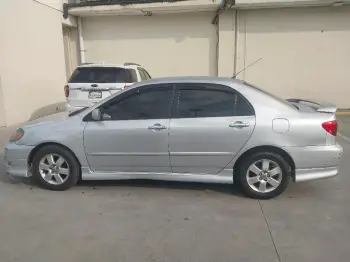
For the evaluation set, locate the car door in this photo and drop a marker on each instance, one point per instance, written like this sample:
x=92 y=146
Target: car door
x=134 y=135
x=210 y=125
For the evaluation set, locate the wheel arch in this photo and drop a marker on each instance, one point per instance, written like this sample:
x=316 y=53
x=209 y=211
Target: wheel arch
x=38 y=147
x=270 y=149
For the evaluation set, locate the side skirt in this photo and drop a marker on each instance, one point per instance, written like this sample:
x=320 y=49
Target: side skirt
x=224 y=177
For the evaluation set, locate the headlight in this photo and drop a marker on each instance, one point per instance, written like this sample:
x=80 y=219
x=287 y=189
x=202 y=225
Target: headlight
x=17 y=135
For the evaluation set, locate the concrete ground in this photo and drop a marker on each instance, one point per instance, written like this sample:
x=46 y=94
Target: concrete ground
x=159 y=221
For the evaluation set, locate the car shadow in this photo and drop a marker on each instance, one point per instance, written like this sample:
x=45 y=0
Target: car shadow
x=228 y=189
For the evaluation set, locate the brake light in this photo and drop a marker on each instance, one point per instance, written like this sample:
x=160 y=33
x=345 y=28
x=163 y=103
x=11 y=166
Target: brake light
x=331 y=127
x=66 y=90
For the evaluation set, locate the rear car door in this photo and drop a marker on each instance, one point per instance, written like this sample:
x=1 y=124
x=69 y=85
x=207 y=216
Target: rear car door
x=134 y=137
x=89 y=85
x=209 y=127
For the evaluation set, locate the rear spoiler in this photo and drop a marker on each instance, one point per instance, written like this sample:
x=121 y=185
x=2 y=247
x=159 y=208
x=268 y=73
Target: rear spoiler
x=323 y=107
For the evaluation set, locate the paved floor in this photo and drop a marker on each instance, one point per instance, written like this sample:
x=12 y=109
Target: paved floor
x=155 y=221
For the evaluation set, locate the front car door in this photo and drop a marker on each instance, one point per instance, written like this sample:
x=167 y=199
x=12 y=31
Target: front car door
x=211 y=124
x=134 y=136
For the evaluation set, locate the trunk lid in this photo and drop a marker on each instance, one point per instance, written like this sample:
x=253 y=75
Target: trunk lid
x=321 y=111
x=81 y=94
x=88 y=85
x=312 y=106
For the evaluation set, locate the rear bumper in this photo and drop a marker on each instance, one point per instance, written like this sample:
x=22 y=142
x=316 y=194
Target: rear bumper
x=302 y=175
x=315 y=162
x=16 y=159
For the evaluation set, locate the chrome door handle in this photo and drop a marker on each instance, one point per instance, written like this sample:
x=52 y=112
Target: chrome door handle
x=239 y=124
x=157 y=127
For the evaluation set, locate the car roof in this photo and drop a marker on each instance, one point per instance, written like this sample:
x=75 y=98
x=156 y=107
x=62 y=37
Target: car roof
x=191 y=79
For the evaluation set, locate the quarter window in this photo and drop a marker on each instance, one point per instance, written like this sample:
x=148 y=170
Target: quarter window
x=242 y=107
x=144 y=104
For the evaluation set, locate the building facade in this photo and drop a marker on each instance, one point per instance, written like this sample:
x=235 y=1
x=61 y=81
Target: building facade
x=298 y=49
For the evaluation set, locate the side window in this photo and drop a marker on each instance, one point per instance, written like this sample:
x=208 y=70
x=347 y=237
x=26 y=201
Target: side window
x=205 y=103
x=144 y=104
x=133 y=76
x=242 y=107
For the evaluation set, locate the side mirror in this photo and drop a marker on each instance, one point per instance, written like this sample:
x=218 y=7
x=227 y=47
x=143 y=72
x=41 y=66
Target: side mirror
x=96 y=114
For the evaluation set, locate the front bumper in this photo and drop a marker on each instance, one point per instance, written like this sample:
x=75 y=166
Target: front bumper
x=16 y=159
x=315 y=162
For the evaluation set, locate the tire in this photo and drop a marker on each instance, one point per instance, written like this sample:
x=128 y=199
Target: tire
x=252 y=180
x=51 y=172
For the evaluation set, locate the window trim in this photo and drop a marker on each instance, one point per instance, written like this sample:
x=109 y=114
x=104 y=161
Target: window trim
x=206 y=86
x=131 y=92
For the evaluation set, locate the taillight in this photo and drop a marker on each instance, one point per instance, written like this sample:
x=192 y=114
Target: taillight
x=126 y=86
x=331 y=127
x=66 y=91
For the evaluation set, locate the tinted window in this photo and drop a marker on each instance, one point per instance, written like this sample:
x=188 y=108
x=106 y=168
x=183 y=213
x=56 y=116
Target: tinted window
x=102 y=75
x=148 y=104
x=271 y=95
x=205 y=103
x=242 y=107
x=133 y=76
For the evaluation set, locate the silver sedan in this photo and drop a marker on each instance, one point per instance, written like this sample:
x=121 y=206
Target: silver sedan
x=202 y=129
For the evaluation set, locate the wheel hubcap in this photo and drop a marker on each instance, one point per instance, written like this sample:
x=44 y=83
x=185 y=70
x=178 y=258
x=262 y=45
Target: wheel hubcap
x=54 y=169
x=264 y=176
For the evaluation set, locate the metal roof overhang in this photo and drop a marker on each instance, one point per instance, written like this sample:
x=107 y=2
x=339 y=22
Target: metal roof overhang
x=149 y=7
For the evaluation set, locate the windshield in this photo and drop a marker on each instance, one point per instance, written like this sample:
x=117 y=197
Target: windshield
x=102 y=75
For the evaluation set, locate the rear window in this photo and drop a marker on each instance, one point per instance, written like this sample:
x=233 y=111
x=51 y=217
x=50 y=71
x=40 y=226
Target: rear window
x=103 y=75
x=271 y=95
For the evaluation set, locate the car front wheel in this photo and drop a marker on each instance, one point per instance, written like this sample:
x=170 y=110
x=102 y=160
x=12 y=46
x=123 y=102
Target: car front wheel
x=55 y=168
x=264 y=175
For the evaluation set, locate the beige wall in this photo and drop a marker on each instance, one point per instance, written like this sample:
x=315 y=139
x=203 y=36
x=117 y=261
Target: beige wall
x=71 y=49
x=32 y=67
x=167 y=45
x=305 y=52
x=227 y=40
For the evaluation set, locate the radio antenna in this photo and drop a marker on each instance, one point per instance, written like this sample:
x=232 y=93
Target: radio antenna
x=247 y=67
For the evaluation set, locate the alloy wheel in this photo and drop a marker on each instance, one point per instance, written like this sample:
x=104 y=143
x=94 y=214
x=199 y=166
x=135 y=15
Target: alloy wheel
x=54 y=169
x=264 y=176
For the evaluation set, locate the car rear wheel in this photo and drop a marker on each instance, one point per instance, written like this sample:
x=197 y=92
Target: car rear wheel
x=264 y=175
x=55 y=168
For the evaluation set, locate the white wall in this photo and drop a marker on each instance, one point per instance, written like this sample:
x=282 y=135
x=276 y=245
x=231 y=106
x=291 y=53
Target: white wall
x=305 y=52
x=166 y=45
x=227 y=39
x=32 y=67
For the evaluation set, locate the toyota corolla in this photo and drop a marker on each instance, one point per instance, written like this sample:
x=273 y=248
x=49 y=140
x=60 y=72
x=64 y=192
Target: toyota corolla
x=200 y=129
